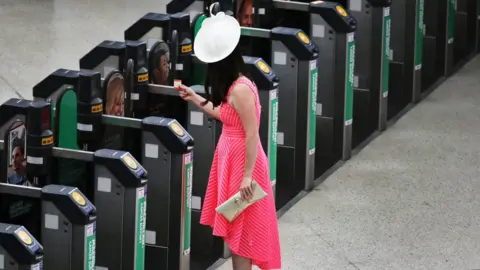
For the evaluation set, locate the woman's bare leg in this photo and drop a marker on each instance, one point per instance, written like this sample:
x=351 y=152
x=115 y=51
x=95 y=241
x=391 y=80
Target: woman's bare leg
x=241 y=263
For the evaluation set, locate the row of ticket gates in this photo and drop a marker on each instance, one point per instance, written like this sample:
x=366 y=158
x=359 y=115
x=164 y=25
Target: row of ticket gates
x=74 y=161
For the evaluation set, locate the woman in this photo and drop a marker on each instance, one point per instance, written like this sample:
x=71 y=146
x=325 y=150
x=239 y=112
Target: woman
x=239 y=158
x=115 y=98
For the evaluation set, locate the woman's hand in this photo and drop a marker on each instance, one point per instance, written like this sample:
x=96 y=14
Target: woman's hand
x=187 y=93
x=246 y=190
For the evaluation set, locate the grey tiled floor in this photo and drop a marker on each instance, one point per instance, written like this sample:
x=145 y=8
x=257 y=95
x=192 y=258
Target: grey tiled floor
x=39 y=36
x=409 y=200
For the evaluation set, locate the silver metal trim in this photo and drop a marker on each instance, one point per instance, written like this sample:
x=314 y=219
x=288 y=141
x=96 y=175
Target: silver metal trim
x=72 y=154
x=162 y=89
x=256 y=32
x=121 y=121
x=291 y=5
x=31 y=192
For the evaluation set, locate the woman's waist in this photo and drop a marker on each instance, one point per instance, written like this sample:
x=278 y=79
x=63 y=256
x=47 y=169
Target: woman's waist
x=233 y=132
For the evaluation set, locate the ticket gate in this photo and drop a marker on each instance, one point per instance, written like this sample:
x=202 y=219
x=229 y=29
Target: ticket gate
x=111 y=55
x=160 y=138
x=267 y=83
x=195 y=8
x=205 y=247
x=458 y=27
x=142 y=29
x=372 y=66
x=466 y=33
x=19 y=250
x=119 y=54
x=165 y=101
x=119 y=187
x=476 y=29
x=60 y=216
x=406 y=50
x=293 y=56
x=158 y=28
x=438 y=42
x=333 y=32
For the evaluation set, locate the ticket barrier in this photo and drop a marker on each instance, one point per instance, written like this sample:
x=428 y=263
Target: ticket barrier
x=60 y=216
x=152 y=28
x=371 y=72
x=293 y=56
x=205 y=248
x=334 y=34
x=158 y=28
x=165 y=153
x=466 y=29
x=438 y=41
x=476 y=29
x=164 y=101
x=142 y=29
x=19 y=250
x=459 y=10
x=111 y=56
x=119 y=190
x=195 y=8
x=79 y=95
x=400 y=75
x=119 y=54
x=372 y=38
x=406 y=50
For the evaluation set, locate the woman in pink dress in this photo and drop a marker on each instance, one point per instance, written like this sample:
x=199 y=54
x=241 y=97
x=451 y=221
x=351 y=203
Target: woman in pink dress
x=239 y=158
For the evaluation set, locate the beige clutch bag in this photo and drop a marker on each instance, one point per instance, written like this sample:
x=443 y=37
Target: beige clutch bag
x=234 y=206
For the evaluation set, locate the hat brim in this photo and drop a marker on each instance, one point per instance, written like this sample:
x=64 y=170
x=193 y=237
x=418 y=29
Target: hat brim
x=232 y=31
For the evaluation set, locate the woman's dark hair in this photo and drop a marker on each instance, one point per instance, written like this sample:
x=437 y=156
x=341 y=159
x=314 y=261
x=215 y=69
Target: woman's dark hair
x=221 y=75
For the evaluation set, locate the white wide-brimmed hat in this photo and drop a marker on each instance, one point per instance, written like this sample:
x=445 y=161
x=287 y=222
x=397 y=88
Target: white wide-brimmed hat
x=217 y=38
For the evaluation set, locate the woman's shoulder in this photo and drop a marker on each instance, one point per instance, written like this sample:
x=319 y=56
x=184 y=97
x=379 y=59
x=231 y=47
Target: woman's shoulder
x=246 y=81
x=242 y=84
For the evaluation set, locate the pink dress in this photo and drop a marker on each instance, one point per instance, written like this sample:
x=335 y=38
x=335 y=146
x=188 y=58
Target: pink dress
x=254 y=233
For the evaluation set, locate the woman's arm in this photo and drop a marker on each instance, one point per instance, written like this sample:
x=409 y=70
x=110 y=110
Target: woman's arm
x=243 y=101
x=208 y=108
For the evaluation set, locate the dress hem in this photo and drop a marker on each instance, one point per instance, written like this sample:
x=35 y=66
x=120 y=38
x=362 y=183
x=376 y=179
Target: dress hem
x=255 y=262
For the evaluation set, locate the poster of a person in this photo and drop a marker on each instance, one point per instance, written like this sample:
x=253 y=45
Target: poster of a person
x=160 y=64
x=244 y=12
x=16 y=172
x=115 y=95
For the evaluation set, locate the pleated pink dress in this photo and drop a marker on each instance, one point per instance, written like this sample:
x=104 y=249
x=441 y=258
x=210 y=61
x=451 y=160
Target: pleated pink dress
x=254 y=233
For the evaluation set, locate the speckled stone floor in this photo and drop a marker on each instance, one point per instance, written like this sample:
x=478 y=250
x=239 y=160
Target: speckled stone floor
x=39 y=36
x=408 y=201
